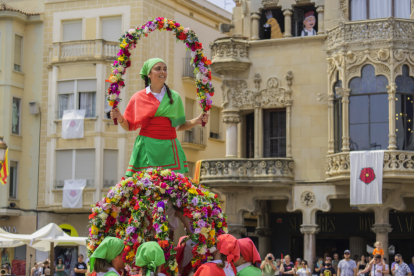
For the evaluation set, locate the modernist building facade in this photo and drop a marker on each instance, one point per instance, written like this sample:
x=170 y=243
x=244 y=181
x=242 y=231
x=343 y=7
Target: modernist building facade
x=80 y=43
x=295 y=106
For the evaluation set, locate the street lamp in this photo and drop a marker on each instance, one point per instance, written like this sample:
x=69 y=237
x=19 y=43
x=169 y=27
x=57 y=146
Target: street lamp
x=3 y=148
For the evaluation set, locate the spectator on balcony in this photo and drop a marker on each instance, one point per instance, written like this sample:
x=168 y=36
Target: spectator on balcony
x=309 y=23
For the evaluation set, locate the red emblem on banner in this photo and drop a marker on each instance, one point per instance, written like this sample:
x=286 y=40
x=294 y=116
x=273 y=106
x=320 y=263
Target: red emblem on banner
x=367 y=175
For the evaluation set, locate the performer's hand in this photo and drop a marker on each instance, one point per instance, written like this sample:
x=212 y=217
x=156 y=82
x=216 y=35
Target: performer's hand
x=116 y=114
x=202 y=118
x=268 y=15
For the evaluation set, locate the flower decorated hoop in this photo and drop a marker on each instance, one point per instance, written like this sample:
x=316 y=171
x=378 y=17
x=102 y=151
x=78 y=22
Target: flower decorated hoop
x=129 y=40
x=138 y=204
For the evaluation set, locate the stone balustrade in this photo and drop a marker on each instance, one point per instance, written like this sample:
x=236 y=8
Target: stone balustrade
x=234 y=171
x=78 y=50
x=397 y=165
x=356 y=35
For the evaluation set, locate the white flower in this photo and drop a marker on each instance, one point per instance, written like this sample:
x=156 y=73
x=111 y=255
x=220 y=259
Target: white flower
x=147 y=193
x=139 y=239
x=193 y=54
x=160 y=209
x=202 y=250
x=213 y=249
x=120 y=68
x=175 y=187
x=103 y=216
x=199 y=76
x=220 y=215
x=225 y=230
x=146 y=30
x=132 y=31
x=113 y=97
x=197 y=215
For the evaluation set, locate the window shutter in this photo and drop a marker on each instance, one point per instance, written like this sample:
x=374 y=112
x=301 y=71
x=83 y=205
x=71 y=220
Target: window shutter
x=72 y=30
x=66 y=87
x=18 y=50
x=189 y=109
x=110 y=174
x=85 y=165
x=111 y=28
x=86 y=85
x=63 y=166
x=274 y=138
x=215 y=120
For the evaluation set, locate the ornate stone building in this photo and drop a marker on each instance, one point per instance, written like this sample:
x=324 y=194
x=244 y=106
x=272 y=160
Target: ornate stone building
x=295 y=107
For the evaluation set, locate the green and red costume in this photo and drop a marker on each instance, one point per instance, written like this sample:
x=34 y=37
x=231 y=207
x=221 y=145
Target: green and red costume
x=157 y=144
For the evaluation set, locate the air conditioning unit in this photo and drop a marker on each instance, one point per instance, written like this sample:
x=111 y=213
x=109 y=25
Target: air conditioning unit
x=59 y=183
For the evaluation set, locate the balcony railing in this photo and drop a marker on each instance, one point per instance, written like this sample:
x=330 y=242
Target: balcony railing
x=194 y=138
x=188 y=69
x=253 y=170
x=397 y=165
x=385 y=29
x=97 y=49
x=59 y=184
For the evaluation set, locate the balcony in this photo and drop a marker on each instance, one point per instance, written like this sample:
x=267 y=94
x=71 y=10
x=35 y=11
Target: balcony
x=188 y=71
x=358 y=35
x=194 y=138
x=247 y=172
x=84 y=50
x=398 y=165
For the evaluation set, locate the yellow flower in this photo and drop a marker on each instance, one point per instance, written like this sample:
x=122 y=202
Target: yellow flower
x=205 y=231
x=165 y=228
x=108 y=200
x=162 y=191
x=114 y=214
x=192 y=191
x=123 y=44
x=219 y=224
x=121 y=58
x=212 y=233
x=107 y=211
x=94 y=230
x=181 y=28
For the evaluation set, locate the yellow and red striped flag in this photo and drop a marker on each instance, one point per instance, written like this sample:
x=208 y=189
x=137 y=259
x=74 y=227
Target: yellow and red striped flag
x=197 y=172
x=4 y=169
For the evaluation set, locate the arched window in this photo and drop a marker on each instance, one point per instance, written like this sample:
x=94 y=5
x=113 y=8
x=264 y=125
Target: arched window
x=337 y=116
x=368 y=111
x=371 y=9
x=404 y=109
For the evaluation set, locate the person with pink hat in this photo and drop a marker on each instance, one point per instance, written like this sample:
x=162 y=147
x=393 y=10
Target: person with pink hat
x=227 y=253
x=249 y=258
x=309 y=23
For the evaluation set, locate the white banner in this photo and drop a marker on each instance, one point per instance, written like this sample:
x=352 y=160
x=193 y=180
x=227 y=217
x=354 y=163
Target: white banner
x=72 y=193
x=366 y=177
x=72 y=124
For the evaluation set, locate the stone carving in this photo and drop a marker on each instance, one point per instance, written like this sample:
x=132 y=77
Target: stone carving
x=257 y=81
x=229 y=48
x=234 y=87
x=394 y=161
x=399 y=54
x=385 y=193
x=266 y=3
x=322 y=97
x=231 y=119
x=307 y=198
x=383 y=54
x=350 y=57
x=310 y=230
x=269 y=168
x=272 y=96
x=236 y=229
x=383 y=229
x=344 y=9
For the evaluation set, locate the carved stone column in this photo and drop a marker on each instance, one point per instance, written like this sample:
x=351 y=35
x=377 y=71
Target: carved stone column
x=231 y=119
x=288 y=23
x=344 y=92
x=237 y=230
x=257 y=117
x=331 y=138
x=309 y=242
x=392 y=142
x=255 y=26
x=321 y=29
x=288 y=104
x=263 y=230
x=382 y=231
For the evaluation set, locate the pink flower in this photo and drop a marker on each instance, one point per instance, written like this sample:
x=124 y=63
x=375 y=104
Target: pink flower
x=204 y=80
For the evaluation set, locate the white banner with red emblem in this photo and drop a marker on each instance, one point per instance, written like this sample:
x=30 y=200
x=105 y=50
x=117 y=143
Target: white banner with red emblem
x=72 y=124
x=72 y=193
x=366 y=177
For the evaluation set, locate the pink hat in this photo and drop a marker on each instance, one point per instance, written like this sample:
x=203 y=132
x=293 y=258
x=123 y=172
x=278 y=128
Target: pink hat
x=309 y=14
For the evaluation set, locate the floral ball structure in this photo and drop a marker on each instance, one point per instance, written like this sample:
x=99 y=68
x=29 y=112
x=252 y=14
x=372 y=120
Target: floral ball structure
x=138 y=204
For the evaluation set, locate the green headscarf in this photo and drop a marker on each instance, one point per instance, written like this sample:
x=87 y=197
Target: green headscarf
x=146 y=68
x=108 y=250
x=151 y=255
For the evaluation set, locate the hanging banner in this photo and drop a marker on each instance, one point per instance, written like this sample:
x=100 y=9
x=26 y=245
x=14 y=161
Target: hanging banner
x=366 y=177
x=72 y=193
x=72 y=124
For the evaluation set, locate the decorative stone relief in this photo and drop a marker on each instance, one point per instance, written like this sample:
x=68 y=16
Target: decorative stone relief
x=344 y=9
x=310 y=230
x=267 y=3
x=350 y=57
x=268 y=168
x=383 y=54
x=399 y=54
x=236 y=229
x=229 y=48
x=307 y=198
x=382 y=229
x=233 y=87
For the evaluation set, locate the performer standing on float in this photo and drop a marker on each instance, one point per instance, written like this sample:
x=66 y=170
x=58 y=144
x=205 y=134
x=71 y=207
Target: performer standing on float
x=159 y=116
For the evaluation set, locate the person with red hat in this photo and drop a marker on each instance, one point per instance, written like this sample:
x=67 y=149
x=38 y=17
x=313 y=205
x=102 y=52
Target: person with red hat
x=249 y=258
x=309 y=23
x=227 y=253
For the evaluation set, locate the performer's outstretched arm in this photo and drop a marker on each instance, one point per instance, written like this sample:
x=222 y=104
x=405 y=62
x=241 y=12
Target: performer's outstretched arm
x=116 y=114
x=196 y=121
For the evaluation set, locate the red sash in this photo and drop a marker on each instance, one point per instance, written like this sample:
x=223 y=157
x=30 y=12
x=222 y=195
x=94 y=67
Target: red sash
x=159 y=128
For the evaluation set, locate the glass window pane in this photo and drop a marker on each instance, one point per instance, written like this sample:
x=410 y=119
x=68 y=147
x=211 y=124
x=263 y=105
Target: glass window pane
x=338 y=125
x=402 y=8
x=87 y=102
x=18 y=50
x=16 y=116
x=405 y=83
x=65 y=102
x=358 y=109
x=379 y=136
x=358 y=9
x=72 y=30
x=359 y=137
x=399 y=121
x=368 y=82
x=111 y=28
x=379 y=9
x=409 y=117
x=13 y=179
x=379 y=108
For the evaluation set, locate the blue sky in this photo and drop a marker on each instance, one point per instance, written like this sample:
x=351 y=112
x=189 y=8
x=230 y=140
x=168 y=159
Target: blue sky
x=227 y=4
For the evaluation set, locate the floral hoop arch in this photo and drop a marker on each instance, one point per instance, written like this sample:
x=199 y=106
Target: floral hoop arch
x=136 y=205
x=129 y=40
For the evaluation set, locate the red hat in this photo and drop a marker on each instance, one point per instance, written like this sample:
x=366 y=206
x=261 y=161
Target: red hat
x=228 y=245
x=249 y=251
x=309 y=14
